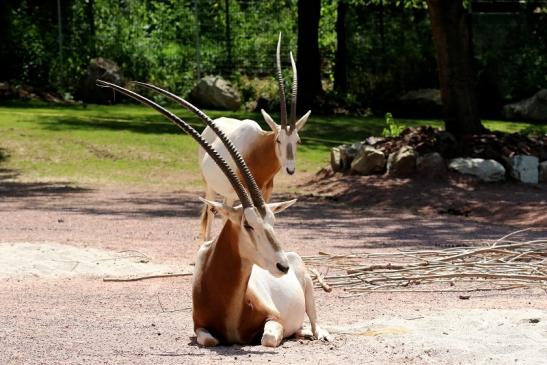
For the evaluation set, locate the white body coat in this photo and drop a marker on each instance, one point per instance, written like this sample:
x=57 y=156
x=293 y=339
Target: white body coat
x=285 y=294
x=242 y=133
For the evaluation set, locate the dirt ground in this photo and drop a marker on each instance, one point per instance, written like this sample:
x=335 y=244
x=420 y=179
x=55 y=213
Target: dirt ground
x=57 y=243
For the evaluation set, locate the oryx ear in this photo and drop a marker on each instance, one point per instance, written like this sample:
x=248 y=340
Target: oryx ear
x=281 y=206
x=300 y=124
x=273 y=125
x=226 y=210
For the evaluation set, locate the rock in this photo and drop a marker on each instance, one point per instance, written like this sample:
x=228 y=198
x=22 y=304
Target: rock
x=485 y=170
x=104 y=69
x=421 y=103
x=431 y=165
x=525 y=169
x=368 y=160
x=347 y=154
x=342 y=156
x=402 y=163
x=534 y=108
x=543 y=172
x=372 y=140
x=335 y=160
x=215 y=92
x=507 y=164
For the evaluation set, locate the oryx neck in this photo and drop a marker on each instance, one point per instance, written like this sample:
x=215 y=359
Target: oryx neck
x=262 y=158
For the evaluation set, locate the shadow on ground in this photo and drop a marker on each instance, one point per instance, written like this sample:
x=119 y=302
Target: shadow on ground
x=368 y=215
x=10 y=188
x=374 y=212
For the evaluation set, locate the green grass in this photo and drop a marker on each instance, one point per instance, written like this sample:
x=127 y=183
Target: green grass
x=131 y=145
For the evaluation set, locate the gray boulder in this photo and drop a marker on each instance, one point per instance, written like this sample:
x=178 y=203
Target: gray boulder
x=368 y=161
x=215 y=92
x=342 y=156
x=402 y=163
x=104 y=69
x=485 y=170
x=543 y=172
x=335 y=160
x=431 y=165
x=534 y=108
x=525 y=169
x=422 y=103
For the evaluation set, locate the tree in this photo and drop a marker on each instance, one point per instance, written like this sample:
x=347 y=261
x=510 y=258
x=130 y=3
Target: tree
x=90 y=20
x=308 y=63
x=4 y=33
x=452 y=39
x=341 y=62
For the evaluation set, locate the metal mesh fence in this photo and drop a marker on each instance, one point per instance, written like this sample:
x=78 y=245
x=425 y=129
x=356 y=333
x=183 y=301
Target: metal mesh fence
x=172 y=43
x=510 y=48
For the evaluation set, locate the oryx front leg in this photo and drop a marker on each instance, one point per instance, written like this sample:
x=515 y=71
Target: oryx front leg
x=205 y=339
x=273 y=334
x=267 y=190
x=207 y=216
x=318 y=332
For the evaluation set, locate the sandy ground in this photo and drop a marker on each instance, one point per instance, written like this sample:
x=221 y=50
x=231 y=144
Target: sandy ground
x=58 y=242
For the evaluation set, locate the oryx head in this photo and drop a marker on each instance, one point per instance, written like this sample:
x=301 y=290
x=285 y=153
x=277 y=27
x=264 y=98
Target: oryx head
x=258 y=242
x=253 y=219
x=287 y=132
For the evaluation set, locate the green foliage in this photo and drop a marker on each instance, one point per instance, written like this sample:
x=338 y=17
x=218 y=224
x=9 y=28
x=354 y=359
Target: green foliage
x=255 y=88
x=390 y=49
x=153 y=41
x=510 y=54
x=393 y=128
x=150 y=40
x=28 y=45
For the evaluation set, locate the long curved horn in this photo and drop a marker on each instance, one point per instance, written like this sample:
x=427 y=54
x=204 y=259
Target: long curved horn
x=293 y=94
x=282 y=101
x=238 y=187
x=256 y=194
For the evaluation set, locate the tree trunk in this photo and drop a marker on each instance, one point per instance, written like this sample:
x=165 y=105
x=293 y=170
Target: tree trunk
x=308 y=63
x=341 y=63
x=452 y=38
x=90 y=19
x=5 y=60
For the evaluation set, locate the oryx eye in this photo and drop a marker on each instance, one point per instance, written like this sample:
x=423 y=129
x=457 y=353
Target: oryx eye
x=278 y=141
x=247 y=226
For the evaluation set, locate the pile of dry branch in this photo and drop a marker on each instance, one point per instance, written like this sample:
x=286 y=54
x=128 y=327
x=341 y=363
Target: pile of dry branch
x=502 y=265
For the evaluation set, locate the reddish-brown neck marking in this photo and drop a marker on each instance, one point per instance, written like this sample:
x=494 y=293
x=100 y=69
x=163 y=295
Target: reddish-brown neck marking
x=262 y=159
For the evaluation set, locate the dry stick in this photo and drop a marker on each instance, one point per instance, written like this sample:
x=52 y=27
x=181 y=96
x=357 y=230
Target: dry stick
x=509 y=235
x=376 y=267
x=415 y=257
x=357 y=294
x=470 y=275
x=323 y=284
x=474 y=252
x=511 y=262
x=137 y=278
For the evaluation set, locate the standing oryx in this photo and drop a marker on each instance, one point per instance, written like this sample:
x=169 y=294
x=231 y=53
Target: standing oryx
x=245 y=286
x=266 y=153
